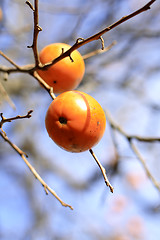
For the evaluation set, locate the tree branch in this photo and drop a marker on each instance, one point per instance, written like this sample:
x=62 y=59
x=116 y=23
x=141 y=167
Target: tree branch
x=5 y=95
x=4 y=120
x=44 y=84
x=102 y=170
x=130 y=139
x=36 y=31
x=24 y=156
x=80 y=41
x=141 y=159
x=99 y=51
x=9 y=60
x=31 y=69
x=98 y=35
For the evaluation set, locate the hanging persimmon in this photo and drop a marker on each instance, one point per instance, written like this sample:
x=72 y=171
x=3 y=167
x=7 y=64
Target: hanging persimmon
x=75 y=121
x=66 y=74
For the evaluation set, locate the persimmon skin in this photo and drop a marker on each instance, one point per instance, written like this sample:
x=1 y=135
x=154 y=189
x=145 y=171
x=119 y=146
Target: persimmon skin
x=75 y=121
x=66 y=74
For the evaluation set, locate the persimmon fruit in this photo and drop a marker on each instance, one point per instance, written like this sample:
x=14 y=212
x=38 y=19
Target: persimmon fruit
x=66 y=74
x=75 y=121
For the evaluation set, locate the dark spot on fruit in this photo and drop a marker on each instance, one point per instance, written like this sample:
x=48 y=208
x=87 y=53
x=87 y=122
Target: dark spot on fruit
x=54 y=81
x=63 y=120
x=98 y=123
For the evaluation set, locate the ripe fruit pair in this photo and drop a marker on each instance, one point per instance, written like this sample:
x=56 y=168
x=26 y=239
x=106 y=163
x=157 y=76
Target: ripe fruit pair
x=75 y=121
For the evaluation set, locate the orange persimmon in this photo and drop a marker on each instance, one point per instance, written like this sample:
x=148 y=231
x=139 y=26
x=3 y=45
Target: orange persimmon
x=66 y=74
x=75 y=121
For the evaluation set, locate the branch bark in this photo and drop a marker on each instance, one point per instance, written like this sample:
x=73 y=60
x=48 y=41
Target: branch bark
x=130 y=139
x=24 y=156
x=81 y=42
x=36 y=31
x=102 y=170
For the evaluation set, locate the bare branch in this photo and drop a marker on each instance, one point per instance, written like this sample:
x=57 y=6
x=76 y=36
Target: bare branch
x=44 y=84
x=102 y=42
x=24 y=155
x=99 y=51
x=102 y=170
x=9 y=60
x=80 y=41
x=5 y=95
x=24 y=69
x=4 y=120
x=130 y=139
x=137 y=153
x=32 y=169
x=36 y=30
x=30 y=5
x=30 y=69
x=122 y=20
x=144 y=139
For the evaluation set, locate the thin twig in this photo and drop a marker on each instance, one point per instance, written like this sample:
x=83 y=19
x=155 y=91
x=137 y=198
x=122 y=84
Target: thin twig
x=24 y=155
x=99 y=51
x=32 y=169
x=79 y=42
x=148 y=173
x=36 y=31
x=44 y=84
x=9 y=60
x=23 y=69
x=122 y=20
x=144 y=139
x=128 y=136
x=4 y=120
x=102 y=42
x=5 y=95
x=102 y=170
x=5 y=76
x=30 y=69
x=30 y=5
x=130 y=139
x=97 y=36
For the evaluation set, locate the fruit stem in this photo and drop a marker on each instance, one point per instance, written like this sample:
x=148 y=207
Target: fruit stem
x=102 y=170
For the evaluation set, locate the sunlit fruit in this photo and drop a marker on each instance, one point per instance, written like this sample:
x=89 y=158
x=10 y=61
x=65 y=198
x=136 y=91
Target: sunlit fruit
x=75 y=121
x=64 y=75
